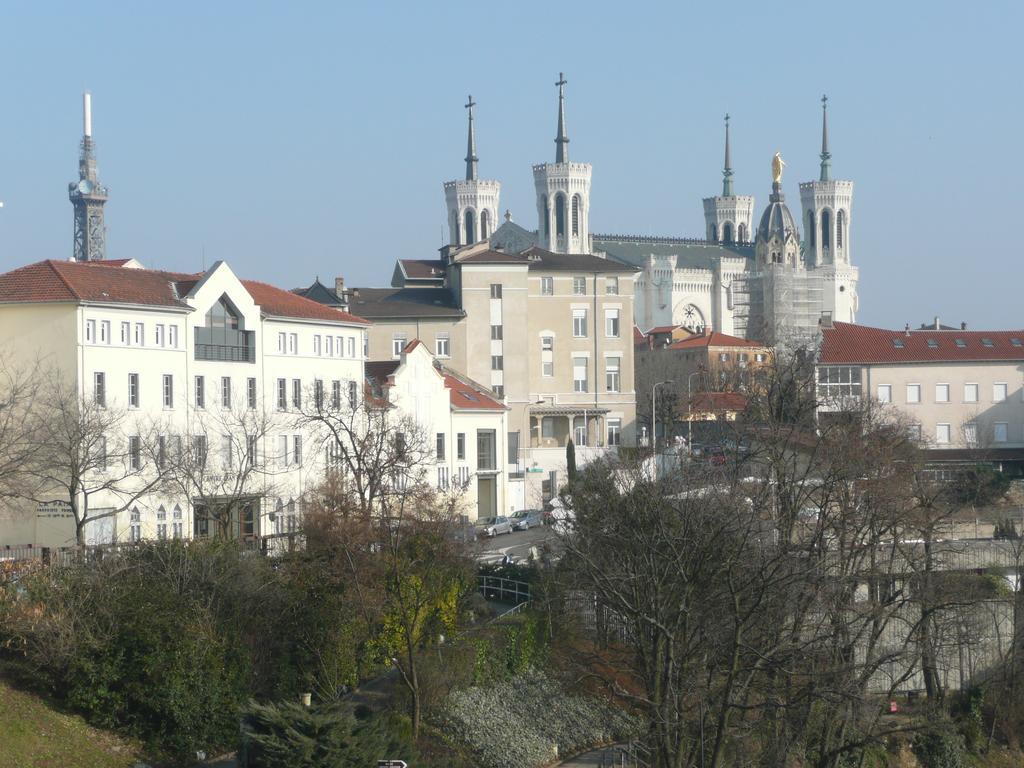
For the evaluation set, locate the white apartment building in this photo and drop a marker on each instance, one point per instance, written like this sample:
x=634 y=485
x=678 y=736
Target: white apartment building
x=464 y=425
x=961 y=392
x=192 y=357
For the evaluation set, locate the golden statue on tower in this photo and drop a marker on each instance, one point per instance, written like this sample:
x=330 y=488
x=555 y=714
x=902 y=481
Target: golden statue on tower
x=777 y=165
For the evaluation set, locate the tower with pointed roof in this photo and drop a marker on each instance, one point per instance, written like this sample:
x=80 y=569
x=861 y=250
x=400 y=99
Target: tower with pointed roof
x=472 y=202
x=728 y=217
x=563 y=194
x=826 y=214
x=88 y=196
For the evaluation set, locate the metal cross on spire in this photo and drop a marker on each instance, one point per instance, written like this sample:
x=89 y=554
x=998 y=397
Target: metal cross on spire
x=727 y=170
x=471 y=158
x=562 y=140
x=826 y=156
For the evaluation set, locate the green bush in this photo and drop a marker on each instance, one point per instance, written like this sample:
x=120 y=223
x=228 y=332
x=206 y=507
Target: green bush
x=288 y=735
x=939 y=747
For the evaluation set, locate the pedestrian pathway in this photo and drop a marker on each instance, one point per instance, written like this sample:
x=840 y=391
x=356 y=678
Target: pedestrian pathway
x=606 y=757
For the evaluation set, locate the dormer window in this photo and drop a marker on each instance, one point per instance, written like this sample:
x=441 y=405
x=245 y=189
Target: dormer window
x=223 y=337
x=987 y=343
x=933 y=344
x=897 y=343
x=961 y=343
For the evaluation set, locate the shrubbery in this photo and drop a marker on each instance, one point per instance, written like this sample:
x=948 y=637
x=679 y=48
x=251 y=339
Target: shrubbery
x=513 y=724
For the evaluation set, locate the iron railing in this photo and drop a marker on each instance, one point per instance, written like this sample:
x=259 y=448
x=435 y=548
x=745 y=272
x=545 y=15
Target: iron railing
x=226 y=353
x=503 y=590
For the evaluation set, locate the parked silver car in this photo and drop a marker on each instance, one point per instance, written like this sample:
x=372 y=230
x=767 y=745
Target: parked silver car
x=525 y=519
x=492 y=526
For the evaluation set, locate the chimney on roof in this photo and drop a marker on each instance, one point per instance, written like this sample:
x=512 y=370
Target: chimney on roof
x=906 y=330
x=825 y=321
x=963 y=326
x=340 y=292
x=937 y=325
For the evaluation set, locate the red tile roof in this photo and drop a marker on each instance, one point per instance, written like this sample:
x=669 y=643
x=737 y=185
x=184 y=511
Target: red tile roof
x=639 y=339
x=664 y=328
x=423 y=269
x=109 y=282
x=467 y=396
x=845 y=343
x=713 y=339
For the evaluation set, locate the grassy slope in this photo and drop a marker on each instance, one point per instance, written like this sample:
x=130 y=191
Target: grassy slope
x=36 y=736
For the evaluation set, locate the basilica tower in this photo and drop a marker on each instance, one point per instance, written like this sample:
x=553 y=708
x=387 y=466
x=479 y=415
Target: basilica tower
x=826 y=207
x=563 y=194
x=88 y=197
x=472 y=203
x=728 y=217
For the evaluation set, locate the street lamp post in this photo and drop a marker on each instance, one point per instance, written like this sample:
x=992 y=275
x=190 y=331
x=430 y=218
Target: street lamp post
x=689 y=411
x=654 y=414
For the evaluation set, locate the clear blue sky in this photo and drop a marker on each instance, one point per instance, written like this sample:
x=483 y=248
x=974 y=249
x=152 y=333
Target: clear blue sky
x=304 y=139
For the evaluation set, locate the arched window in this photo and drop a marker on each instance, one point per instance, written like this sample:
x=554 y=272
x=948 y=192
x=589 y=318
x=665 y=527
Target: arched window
x=560 y=215
x=456 y=240
x=840 y=226
x=575 y=215
x=826 y=229
x=470 y=219
x=712 y=234
x=485 y=224
x=727 y=232
x=742 y=233
x=811 y=231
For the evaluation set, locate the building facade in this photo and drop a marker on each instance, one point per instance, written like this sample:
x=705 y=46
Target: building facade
x=960 y=392
x=204 y=363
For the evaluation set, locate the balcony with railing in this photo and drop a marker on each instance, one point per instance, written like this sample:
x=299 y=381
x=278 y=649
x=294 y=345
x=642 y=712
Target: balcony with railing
x=225 y=345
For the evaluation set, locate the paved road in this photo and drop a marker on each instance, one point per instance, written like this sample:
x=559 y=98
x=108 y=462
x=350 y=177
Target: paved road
x=516 y=545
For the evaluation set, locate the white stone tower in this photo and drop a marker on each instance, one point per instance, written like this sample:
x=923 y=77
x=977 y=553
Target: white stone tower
x=729 y=217
x=88 y=197
x=826 y=213
x=472 y=203
x=563 y=194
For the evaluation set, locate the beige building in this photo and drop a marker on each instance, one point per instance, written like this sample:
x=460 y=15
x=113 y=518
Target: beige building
x=961 y=391
x=549 y=333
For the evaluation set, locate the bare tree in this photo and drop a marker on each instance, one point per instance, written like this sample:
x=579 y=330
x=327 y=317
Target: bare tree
x=83 y=451
x=19 y=386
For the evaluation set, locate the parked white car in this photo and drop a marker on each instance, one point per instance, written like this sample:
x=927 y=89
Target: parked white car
x=525 y=519
x=492 y=526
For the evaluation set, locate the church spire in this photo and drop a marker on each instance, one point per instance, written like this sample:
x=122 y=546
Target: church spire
x=826 y=156
x=727 y=170
x=562 y=140
x=471 y=158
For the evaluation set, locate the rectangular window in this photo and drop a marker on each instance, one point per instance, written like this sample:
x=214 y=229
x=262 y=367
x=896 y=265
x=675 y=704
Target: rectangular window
x=913 y=393
x=579 y=323
x=579 y=286
x=497 y=332
x=199 y=450
x=225 y=391
x=227 y=452
x=497 y=363
x=351 y=347
x=999 y=432
x=101 y=452
x=442 y=478
x=329 y=346
x=486 y=456
x=336 y=395
x=282 y=342
x=970 y=393
x=282 y=395
x=293 y=343
x=440 y=446
x=200 y=392
x=885 y=393
x=723 y=357
x=250 y=392
x=914 y=432
x=172 y=336
x=252 y=450
x=317 y=350
x=159 y=335
x=611 y=370
x=297 y=448
x=499 y=390
x=104 y=332
x=611 y=323
x=942 y=393
x=971 y=433
x=614 y=432
x=513 y=447
x=611 y=286
x=942 y=434
x=133 y=390
x=495 y=290
x=99 y=389
x=547 y=427
x=579 y=374
x=353 y=394
x=838 y=381
x=161 y=451
x=442 y=345
x=126 y=333
x=397 y=344
x=90 y=331
x=135 y=452
x=460 y=446
x=998 y=393
x=547 y=355
x=318 y=394
x=168 y=390
x=547 y=286
x=140 y=335
x=283 y=454
x=297 y=393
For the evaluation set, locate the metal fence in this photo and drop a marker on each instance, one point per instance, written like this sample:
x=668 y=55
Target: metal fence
x=503 y=590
